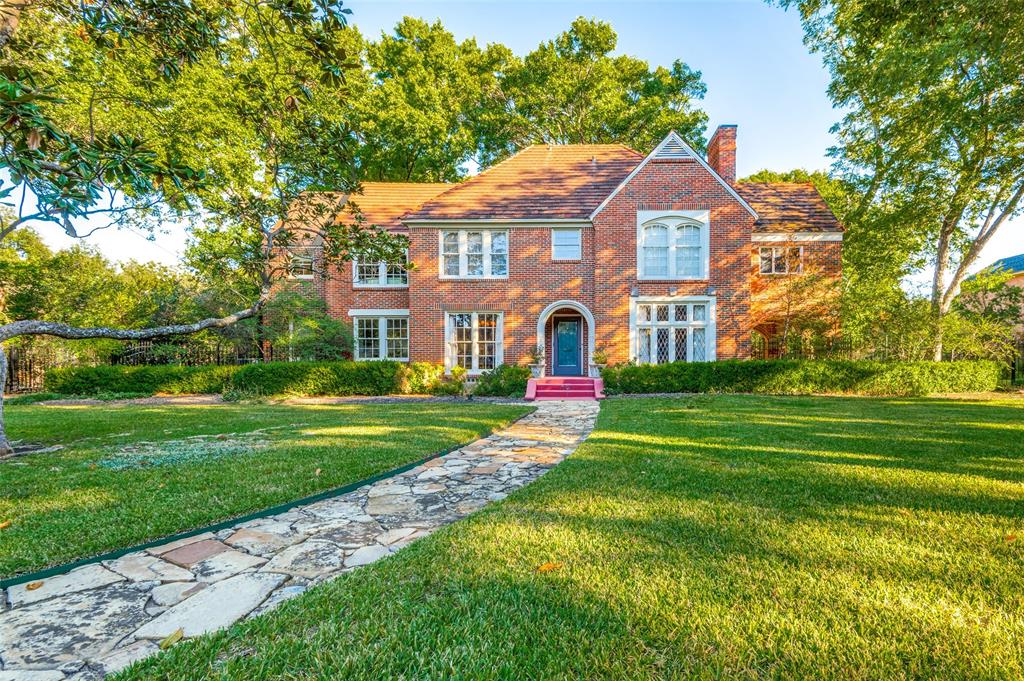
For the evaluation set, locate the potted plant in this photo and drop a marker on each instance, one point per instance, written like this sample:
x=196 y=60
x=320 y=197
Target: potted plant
x=598 y=361
x=536 y=356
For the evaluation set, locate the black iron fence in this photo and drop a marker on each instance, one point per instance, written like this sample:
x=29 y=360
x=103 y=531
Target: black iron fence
x=27 y=365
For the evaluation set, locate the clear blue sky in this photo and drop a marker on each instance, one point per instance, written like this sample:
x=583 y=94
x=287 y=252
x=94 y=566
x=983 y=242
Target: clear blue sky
x=758 y=72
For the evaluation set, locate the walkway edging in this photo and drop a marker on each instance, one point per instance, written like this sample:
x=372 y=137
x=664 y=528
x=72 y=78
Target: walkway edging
x=103 y=616
x=231 y=522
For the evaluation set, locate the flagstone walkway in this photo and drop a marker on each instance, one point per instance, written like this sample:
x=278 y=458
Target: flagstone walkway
x=99 y=618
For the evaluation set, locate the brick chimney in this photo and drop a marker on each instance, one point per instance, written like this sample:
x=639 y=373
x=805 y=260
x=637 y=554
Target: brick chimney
x=722 y=152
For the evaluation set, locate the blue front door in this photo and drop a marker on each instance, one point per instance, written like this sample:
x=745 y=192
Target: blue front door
x=567 y=348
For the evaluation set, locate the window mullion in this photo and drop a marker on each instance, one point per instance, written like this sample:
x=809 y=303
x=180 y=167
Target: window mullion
x=485 y=239
x=463 y=250
x=474 y=334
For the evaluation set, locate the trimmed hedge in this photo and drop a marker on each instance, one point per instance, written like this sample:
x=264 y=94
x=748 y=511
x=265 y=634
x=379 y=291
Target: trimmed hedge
x=319 y=378
x=508 y=380
x=860 y=377
x=270 y=378
x=175 y=380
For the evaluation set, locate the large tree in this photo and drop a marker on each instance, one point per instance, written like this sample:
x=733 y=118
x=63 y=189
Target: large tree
x=228 y=114
x=573 y=90
x=934 y=94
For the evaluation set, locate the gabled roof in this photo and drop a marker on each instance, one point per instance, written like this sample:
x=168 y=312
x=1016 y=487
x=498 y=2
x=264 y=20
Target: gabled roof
x=789 y=207
x=556 y=182
x=673 y=147
x=383 y=203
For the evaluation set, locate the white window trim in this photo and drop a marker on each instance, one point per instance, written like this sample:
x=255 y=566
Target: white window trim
x=499 y=337
x=382 y=332
x=382 y=271
x=646 y=217
x=773 y=273
x=579 y=234
x=796 y=236
x=710 y=335
x=463 y=255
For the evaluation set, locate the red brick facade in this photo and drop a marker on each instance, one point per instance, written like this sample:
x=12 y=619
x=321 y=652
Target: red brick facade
x=604 y=282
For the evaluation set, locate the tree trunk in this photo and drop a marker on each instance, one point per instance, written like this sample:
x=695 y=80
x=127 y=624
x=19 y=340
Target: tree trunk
x=5 y=446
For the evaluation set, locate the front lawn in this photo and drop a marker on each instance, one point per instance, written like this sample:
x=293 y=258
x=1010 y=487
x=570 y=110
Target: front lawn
x=134 y=473
x=728 y=536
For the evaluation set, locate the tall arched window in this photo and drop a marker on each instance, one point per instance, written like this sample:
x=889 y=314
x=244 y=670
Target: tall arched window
x=656 y=250
x=674 y=248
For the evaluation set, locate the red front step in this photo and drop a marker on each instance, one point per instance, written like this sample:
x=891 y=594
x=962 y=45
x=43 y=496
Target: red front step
x=565 y=388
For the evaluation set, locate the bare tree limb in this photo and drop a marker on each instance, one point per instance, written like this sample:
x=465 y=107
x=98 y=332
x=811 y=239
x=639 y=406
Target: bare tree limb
x=37 y=327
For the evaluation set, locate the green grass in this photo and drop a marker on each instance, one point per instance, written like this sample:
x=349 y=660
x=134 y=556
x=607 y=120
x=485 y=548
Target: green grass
x=93 y=496
x=726 y=537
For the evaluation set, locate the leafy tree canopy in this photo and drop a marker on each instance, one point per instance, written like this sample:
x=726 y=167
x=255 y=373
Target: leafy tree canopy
x=933 y=132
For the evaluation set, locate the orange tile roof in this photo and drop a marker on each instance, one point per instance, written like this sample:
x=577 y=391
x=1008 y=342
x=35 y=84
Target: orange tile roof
x=542 y=181
x=383 y=203
x=788 y=207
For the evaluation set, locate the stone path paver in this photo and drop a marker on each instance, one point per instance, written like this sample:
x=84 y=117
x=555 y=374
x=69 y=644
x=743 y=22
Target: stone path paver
x=99 y=618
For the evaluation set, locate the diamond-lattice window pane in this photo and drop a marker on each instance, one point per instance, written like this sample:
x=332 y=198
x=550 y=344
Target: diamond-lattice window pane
x=699 y=313
x=662 y=312
x=699 y=350
x=680 y=345
x=663 y=346
x=643 y=313
x=643 y=350
x=680 y=313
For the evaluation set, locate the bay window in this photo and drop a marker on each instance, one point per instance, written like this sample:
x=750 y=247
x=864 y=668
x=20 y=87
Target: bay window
x=382 y=338
x=474 y=254
x=474 y=340
x=674 y=331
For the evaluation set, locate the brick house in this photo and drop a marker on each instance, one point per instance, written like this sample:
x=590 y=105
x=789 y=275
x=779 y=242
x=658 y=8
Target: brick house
x=576 y=248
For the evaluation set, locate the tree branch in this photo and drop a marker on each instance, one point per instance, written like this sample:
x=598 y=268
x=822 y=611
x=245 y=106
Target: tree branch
x=36 y=327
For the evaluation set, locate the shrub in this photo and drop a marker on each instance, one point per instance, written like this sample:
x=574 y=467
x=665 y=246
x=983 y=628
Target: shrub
x=804 y=377
x=254 y=381
x=141 y=379
x=421 y=378
x=319 y=378
x=508 y=380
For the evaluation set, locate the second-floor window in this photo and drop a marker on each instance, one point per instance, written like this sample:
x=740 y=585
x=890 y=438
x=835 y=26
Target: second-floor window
x=301 y=264
x=566 y=244
x=780 y=259
x=474 y=254
x=380 y=274
x=673 y=248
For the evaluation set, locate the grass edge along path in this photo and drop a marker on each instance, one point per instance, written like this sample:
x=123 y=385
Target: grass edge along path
x=713 y=536
x=294 y=459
